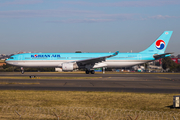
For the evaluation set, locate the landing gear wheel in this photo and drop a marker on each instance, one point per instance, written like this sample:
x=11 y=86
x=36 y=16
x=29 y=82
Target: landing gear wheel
x=22 y=71
x=87 y=71
x=92 y=71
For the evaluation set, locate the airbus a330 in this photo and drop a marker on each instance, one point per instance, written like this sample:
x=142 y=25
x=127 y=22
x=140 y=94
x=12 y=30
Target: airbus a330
x=90 y=61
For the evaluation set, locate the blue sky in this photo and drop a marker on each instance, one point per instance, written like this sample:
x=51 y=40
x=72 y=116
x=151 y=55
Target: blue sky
x=89 y=26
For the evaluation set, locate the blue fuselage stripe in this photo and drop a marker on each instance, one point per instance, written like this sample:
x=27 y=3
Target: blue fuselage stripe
x=80 y=56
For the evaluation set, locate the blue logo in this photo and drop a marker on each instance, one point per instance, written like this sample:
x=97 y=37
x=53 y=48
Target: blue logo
x=44 y=55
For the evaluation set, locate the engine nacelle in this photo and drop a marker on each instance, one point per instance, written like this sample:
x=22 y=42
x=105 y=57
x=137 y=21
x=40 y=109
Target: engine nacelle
x=68 y=66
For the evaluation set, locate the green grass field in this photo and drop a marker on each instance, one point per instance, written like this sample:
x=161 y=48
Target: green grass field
x=112 y=100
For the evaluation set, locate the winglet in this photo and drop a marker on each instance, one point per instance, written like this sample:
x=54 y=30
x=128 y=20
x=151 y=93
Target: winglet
x=116 y=53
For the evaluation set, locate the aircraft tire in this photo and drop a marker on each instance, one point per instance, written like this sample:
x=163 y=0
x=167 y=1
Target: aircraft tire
x=22 y=71
x=92 y=71
x=87 y=71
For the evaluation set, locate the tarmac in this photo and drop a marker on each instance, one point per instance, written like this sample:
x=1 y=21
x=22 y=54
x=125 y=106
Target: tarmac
x=141 y=83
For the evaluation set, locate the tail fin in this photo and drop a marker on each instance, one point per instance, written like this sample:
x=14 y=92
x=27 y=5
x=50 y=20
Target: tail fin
x=159 y=46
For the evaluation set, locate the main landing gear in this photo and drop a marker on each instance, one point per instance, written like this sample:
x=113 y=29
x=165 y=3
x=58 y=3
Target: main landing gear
x=22 y=70
x=90 y=71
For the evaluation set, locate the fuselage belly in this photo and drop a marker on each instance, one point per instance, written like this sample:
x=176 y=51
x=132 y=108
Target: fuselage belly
x=52 y=63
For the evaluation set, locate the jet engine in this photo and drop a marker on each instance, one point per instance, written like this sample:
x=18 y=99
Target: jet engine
x=69 y=66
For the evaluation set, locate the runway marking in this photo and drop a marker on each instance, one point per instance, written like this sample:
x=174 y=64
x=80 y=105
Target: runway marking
x=64 y=83
x=164 y=78
x=92 y=84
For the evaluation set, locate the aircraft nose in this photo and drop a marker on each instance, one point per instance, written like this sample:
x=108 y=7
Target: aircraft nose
x=7 y=61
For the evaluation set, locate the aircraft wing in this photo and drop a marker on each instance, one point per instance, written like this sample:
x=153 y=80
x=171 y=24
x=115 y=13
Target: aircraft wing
x=95 y=60
x=161 y=55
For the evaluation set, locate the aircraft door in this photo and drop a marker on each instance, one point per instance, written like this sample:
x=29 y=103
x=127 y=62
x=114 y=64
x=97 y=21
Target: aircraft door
x=20 y=57
x=139 y=57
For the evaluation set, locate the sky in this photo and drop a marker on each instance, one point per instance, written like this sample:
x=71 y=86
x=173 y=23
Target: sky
x=87 y=26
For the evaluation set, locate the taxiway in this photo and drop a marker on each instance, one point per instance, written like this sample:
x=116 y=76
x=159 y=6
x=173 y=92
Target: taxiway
x=144 y=83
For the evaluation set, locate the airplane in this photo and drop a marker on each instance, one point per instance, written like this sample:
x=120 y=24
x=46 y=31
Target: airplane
x=90 y=61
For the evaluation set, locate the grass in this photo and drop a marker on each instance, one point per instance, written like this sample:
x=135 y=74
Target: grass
x=112 y=100
x=24 y=77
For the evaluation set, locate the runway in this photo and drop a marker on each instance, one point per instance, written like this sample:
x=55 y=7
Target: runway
x=143 y=83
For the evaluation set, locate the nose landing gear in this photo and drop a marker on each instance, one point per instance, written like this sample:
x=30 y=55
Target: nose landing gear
x=22 y=70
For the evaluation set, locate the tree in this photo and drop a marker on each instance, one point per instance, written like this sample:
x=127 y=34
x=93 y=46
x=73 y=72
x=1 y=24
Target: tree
x=169 y=63
x=178 y=67
x=78 y=52
x=6 y=66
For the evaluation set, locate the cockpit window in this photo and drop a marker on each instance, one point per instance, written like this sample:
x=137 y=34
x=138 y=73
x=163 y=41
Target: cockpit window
x=11 y=58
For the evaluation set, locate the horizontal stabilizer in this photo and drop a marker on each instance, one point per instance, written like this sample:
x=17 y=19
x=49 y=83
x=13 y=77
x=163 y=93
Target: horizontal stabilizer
x=161 y=55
